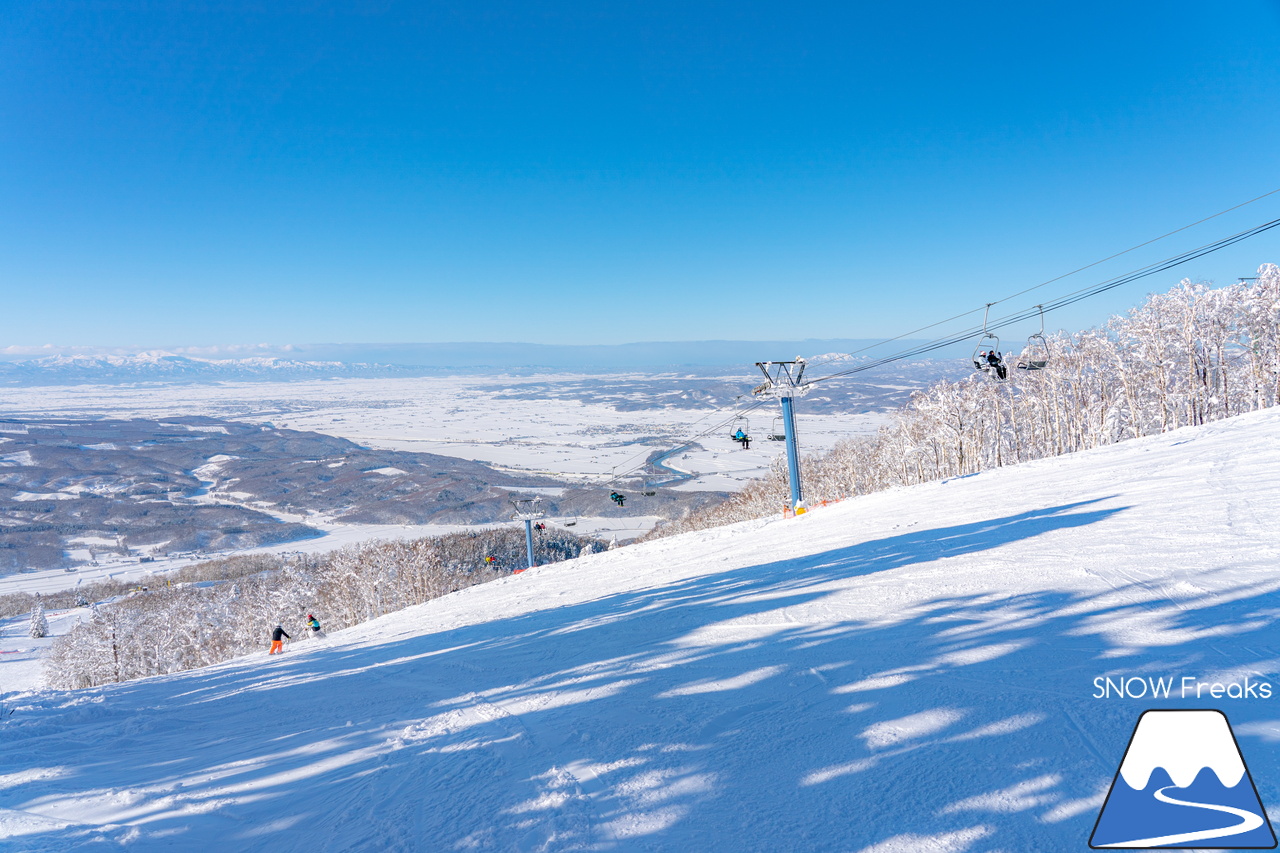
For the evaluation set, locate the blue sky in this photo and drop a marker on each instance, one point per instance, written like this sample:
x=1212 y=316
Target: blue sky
x=230 y=173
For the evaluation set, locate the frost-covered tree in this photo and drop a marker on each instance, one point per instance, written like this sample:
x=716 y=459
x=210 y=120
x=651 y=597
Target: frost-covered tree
x=1189 y=356
x=39 y=624
x=187 y=625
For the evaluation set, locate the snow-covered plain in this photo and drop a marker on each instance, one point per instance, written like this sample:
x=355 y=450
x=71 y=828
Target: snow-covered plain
x=473 y=417
x=468 y=417
x=909 y=671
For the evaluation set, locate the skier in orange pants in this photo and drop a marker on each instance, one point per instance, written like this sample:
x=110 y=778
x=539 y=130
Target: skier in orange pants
x=277 y=643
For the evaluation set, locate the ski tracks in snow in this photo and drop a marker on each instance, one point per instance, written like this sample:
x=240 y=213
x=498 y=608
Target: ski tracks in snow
x=559 y=814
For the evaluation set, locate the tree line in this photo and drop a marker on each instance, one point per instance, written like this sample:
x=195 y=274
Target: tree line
x=212 y=612
x=1186 y=357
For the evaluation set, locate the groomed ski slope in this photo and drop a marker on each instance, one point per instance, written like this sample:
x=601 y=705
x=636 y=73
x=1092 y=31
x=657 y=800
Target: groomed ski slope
x=908 y=671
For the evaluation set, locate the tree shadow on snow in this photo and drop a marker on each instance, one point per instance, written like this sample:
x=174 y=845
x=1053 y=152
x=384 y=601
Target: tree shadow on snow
x=737 y=710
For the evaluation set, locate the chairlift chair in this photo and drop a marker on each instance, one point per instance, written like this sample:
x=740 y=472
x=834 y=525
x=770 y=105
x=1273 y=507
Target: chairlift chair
x=740 y=423
x=1036 y=354
x=778 y=432
x=989 y=341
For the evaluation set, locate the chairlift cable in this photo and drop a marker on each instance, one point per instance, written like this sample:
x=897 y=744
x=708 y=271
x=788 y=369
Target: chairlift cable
x=1056 y=278
x=1061 y=302
x=1002 y=322
x=714 y=411
x=617 y=476
x=708 y=431
x=1009 y=319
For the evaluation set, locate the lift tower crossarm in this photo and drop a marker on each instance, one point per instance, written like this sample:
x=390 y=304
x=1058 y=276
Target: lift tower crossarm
x=785 y=380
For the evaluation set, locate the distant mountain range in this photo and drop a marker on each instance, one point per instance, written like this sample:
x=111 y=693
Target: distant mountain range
x=168 y=367
x=368 y=360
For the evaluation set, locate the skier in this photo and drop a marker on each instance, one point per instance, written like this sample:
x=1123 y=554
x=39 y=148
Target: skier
x=277 y=643
x=314 y=624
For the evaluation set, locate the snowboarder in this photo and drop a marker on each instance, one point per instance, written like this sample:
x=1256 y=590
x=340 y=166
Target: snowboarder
x=314 y=624
x=277 y=641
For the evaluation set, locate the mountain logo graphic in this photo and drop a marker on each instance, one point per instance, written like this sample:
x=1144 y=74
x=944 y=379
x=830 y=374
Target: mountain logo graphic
x=1182 y=783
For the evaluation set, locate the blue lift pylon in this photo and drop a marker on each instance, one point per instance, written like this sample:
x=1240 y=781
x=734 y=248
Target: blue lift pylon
x=784 y=380
x=528 y=510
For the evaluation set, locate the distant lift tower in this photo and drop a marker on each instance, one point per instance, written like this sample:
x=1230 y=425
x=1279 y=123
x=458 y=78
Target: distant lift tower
x=528 y=510
x=783 y=379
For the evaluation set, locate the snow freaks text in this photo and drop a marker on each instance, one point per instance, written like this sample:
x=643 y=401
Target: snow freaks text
x=1178 y=687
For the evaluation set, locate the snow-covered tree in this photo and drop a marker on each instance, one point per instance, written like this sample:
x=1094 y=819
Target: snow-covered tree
x=1189 y=356
x=39 y=624
x=184 y=626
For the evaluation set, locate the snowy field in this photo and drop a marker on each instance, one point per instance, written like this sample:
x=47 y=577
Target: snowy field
x=483 y=418
x=479 y=418
x=909 y=671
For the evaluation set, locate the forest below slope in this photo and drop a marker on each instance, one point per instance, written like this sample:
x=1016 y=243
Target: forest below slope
x=210 y=612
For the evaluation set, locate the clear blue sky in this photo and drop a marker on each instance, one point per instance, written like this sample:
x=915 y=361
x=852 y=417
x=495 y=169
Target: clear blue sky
x=227 y=173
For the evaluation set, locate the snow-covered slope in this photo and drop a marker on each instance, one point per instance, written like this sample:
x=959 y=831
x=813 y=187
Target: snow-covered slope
x=910 y=671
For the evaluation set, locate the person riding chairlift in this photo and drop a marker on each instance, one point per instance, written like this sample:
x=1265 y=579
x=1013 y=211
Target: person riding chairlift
x=742 y=438
x=994 y=359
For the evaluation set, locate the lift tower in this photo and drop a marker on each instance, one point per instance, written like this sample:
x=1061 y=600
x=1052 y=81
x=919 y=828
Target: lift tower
x=528 y=510
x=784 y=380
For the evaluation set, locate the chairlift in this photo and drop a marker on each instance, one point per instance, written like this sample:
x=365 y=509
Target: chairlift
x=650 y=488
x=989 y=342
x=740 y=424
x=778 y=432
x=1036 y=354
